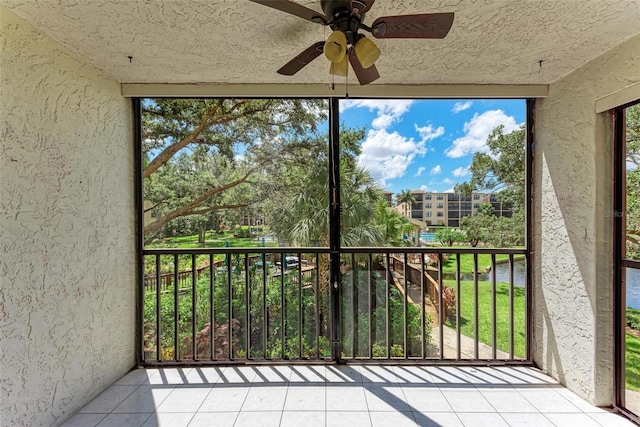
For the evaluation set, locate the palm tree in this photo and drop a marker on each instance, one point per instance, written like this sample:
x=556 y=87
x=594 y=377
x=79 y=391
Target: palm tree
x=310 y=213
x=392 y=224
x=358 y=196
x=408 y=198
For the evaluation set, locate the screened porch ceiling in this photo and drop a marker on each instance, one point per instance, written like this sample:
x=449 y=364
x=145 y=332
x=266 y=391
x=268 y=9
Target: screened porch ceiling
x=237 y=42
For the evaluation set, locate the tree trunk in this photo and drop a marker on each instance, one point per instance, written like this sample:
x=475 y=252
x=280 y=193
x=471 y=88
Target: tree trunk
x=202 y=233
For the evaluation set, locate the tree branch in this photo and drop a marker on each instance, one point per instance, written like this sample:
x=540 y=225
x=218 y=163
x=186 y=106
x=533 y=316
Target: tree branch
x=172 y=149
x=187 y=209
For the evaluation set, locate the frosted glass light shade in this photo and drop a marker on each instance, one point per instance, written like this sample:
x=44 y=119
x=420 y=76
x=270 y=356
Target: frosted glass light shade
x=335 y=48
x=340 y=68
x=366 y=52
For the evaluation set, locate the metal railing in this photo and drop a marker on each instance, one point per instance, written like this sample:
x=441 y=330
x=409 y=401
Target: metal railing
x=265 y=305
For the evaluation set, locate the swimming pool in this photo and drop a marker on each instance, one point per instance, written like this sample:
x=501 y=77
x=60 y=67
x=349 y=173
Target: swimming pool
x=428 y=237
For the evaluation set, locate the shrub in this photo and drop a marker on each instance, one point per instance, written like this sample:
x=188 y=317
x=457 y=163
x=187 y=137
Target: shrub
x=633 y=318
x=432 y=259
x=449 y=302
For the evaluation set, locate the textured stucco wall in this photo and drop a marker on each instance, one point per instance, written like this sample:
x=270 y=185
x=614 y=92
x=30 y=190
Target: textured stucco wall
x=66 y=227
x=573 y=294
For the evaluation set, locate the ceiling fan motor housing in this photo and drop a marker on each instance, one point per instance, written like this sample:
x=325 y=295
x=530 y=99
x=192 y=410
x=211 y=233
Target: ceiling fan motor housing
x=342 y=18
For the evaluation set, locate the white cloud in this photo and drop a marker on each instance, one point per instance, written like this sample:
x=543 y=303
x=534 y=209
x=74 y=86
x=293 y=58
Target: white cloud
x=447 y=181
x=387 y=155
x=383 y=121
x=461 y=106
x=428 y=132
x=420 y=170
x=389 y=110
x=477 y=130
x=425 y=189
x=460 y=172
x=437 y=170
x=450 y=190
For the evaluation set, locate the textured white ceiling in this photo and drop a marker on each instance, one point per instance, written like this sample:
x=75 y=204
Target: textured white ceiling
x=236 y=41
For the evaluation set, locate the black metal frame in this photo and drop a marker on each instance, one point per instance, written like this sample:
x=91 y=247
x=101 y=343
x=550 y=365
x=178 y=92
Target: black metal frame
x=620 y=262
x=529 y=158
x=336 y=251
x=334 y=223
x=139 y=224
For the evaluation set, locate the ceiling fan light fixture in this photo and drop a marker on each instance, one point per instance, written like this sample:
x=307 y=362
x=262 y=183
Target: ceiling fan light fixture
x=340 y=68
x=367 y=52
x=335 y=48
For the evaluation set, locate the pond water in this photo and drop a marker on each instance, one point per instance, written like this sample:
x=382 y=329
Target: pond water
x=633 y=288
x=502 y=274
x=520 y=271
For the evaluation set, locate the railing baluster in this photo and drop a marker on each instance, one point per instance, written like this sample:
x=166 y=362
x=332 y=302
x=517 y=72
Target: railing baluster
x=423 y=347
x=354 y=307
x=476 y=317
x=229 y=307
x=282 y=303
x=158 y=312
x=316 y=301
x=193 y=307
x=211 y=302
x=458 y=295
x=511 y=331
x=526 y=308
x=247 y=305
x=404 y=307
x=265 y=313
x=176 y=352
x=440 y=308
x=370 y=316
x=389 y=282
x=300 y=332
x=494 y=336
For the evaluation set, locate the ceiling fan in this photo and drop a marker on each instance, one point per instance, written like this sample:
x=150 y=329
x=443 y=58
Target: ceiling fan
x=345 y=45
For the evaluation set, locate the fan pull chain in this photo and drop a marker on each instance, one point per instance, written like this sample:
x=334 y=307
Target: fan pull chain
x=346 y=90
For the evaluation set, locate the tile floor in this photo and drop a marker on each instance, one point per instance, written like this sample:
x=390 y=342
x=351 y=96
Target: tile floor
x=362 y=395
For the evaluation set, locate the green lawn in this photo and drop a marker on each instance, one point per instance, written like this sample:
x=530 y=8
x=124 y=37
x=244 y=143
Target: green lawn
x=184 y=242
x=632 y=363
x=485 y=314
x=211 y=241
x=466 y=262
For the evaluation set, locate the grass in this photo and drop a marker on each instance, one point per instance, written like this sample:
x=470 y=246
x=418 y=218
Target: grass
x=632 y=356
x=184 y=242
x=212 y=241
x=466 y=262
x=632 y=362
x=485 y=314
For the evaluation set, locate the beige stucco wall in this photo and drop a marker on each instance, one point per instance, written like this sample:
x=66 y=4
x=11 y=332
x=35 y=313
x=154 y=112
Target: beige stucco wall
x=573 y=243
x=66 y=227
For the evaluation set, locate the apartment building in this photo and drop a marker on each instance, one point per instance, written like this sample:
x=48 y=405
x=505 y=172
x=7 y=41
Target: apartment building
x=449 y=208
x=388 y=197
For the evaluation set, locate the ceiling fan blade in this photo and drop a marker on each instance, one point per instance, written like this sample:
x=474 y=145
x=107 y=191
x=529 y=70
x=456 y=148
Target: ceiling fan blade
x=302 y=60
x=364 y=75
x=295 y=9
x=361 y=6
x=422 y=26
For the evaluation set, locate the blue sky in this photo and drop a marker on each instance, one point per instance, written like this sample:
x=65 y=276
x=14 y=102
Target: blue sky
x=426 y=144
